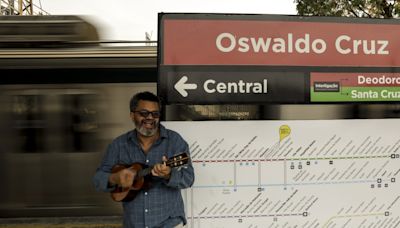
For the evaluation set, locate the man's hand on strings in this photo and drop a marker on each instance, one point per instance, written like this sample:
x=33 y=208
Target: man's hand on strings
x=162 y=170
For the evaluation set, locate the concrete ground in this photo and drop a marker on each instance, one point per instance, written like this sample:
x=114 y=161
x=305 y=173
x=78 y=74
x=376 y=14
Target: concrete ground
x=63 y=222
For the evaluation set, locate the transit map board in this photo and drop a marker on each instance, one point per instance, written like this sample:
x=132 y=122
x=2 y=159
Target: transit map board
x=293 y=173
x=226 y=58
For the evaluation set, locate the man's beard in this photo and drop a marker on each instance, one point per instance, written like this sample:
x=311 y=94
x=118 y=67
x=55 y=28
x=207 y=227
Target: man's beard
x=146 y=131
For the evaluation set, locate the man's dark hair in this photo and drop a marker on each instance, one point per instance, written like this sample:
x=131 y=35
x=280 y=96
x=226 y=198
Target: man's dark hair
x=144 y=96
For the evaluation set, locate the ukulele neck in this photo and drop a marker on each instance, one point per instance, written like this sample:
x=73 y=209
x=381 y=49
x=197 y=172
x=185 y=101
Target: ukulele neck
x=175 y=161
x=144 y=172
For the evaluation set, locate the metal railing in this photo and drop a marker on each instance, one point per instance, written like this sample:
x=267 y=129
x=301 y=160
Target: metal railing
x=20 y=7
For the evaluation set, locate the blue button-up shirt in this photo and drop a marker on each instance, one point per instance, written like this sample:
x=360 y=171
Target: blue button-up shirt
x=161 y=205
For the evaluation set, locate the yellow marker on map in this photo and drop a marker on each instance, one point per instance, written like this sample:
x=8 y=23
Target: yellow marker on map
x=284 y=131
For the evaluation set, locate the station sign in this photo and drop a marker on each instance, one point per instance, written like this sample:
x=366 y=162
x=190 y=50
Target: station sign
x=354 y=87
x=218 y=58
x=256 y=87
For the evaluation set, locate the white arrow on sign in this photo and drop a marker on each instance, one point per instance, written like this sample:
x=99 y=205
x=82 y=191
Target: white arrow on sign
x=181 y=87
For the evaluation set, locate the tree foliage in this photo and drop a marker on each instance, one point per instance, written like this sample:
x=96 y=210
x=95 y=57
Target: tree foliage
x=349 y=8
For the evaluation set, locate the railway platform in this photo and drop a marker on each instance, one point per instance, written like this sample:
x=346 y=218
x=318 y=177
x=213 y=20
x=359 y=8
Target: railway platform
x=63 y=222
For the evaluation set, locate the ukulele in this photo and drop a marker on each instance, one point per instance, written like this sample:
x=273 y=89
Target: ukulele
x=129 y=193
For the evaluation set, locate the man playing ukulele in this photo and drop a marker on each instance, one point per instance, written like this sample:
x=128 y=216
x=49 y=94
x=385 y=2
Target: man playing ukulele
x=158 y=202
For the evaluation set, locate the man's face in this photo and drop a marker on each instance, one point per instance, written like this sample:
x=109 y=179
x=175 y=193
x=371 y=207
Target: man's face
x=146 y=117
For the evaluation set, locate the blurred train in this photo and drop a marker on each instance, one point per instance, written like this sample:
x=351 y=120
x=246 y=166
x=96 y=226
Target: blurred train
x=64 y=96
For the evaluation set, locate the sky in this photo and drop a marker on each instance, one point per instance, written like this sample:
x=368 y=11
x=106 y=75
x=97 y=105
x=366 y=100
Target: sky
x=131 y=19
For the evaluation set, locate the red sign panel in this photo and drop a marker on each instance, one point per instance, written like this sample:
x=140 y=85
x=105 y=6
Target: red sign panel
x=279 y=43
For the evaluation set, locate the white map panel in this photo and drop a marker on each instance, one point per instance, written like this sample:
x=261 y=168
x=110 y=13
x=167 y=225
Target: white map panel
x=303 y=174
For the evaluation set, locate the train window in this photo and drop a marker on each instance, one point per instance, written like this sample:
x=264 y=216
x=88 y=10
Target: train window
x=29 y=122
x=81 y=122
x=53 y=121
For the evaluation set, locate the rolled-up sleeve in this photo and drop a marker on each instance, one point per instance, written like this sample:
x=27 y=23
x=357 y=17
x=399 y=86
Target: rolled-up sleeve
x=181 y=177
